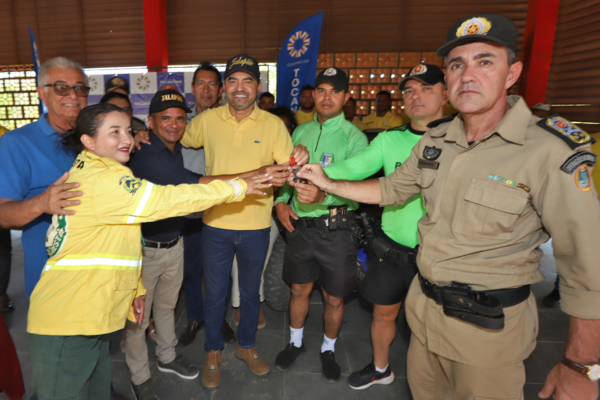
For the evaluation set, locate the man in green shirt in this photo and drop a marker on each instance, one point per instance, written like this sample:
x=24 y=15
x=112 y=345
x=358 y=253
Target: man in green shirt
x=319 y=241
x=391 y=272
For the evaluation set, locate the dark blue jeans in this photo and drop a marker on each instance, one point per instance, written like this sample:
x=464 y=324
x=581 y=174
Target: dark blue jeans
x=218 y=247
x=192 y=271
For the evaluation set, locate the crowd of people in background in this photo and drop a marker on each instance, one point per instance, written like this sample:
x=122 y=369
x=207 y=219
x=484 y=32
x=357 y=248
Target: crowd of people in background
x=119 y=216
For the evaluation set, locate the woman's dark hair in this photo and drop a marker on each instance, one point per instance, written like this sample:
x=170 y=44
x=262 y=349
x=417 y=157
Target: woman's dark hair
x=114 y=95
x=87 y=123
x=285 y=112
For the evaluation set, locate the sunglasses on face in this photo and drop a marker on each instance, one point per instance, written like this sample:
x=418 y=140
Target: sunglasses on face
x=62 y=89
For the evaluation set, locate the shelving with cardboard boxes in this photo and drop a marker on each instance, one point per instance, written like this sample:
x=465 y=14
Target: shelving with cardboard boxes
x=371 y=72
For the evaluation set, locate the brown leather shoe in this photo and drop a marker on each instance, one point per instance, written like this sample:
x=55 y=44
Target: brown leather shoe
x=211 y=376
x=236 y=317
x=152 y=330
x=256 y=363
x=227 y=333
x=262 y=322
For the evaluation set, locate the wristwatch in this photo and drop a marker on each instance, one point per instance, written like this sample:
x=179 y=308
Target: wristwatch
x=591 y=371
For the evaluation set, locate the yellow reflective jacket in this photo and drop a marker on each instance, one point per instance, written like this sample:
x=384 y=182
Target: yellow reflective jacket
x=93 y=273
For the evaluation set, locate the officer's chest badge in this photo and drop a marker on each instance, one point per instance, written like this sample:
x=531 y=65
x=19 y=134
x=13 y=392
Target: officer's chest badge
x=431 y=153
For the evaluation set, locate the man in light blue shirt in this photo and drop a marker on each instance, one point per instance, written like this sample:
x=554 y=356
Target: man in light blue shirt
x=33 y=163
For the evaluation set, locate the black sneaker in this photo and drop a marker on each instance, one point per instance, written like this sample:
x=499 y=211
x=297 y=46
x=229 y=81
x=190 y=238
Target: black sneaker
x=331 y=369
x=287 y=356
x=143 y=391
x=189 y=333
x=179 y=368
x=369 y=376
x=553 y=299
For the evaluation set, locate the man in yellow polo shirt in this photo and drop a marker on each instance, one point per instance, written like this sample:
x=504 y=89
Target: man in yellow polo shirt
x=238 y=137
x=307 y=110
x=383 y=117
x=350 y=114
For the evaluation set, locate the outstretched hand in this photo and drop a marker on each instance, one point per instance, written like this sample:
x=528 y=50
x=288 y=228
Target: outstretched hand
x=143 y=136
x=257 y=182
x=315 y=174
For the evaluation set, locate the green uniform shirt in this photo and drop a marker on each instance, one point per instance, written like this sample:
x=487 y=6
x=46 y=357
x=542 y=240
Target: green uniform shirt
x=388 y=150
x=334 y=141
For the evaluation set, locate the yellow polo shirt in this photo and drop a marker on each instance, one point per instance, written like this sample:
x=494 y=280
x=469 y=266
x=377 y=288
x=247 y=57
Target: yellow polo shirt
x=232 y=147
x=303 y=116
x=389 y=120
x=359 y=124
x=3 y=130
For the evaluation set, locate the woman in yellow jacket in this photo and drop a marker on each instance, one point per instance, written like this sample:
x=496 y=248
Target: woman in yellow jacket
x=92 y=277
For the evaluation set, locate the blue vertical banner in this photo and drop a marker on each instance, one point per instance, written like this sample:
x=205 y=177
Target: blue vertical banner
x=297 y=62
x=35 y=55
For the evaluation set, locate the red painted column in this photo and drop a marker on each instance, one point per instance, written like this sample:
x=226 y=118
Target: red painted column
x=538 y=43
x=155 y=33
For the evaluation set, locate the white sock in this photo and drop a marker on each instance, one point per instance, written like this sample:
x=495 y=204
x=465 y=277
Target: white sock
x=296 y=336
x=328 y=344
x=381 y=370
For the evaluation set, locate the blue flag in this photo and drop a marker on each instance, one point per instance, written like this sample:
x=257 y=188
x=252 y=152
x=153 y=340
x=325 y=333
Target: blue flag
x=297 y=63
x=35 y=55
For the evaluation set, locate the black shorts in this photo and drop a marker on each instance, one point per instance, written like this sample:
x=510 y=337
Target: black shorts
x=386 y=282
x=329 y=256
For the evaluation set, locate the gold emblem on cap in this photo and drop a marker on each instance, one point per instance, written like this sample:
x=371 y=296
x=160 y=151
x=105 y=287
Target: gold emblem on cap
x=118 y=81
x=171 y=97
x=241 y=62
x=330 y=72
x=474 y=26
x=419 y=69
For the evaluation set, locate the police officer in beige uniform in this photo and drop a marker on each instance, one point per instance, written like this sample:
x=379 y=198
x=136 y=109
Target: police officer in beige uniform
x=496 y=182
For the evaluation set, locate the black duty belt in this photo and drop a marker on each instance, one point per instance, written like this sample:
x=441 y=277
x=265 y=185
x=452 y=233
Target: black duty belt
x=384 y=248
x=160 y=245
x=484 y=309
x=339 y=222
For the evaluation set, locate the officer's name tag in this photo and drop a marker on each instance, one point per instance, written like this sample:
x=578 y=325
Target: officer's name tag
x=428 y=164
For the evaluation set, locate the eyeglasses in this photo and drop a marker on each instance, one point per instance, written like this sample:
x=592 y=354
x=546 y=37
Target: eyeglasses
x=126 y=109
x=63 y=90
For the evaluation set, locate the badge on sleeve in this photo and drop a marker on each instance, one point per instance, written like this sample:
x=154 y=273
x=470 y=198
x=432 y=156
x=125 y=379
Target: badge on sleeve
x=130 y=183
x=569 y=133
x=431 y=153
x=582 y=178
x=577 y=160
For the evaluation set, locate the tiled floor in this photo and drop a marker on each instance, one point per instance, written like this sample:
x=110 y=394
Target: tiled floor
x=304 y=381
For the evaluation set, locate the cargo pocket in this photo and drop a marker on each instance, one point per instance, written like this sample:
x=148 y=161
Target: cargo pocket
x=490 y=209
x=124 y=283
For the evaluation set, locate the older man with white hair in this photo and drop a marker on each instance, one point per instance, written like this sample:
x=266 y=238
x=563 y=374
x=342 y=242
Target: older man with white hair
x=34 y=165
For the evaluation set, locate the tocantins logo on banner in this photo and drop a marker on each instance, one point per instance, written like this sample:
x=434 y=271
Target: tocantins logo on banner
x=298 y=44
x=143 y=83
x=93 y=83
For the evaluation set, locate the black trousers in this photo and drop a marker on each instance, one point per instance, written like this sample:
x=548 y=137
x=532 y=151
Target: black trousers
x=5 y=256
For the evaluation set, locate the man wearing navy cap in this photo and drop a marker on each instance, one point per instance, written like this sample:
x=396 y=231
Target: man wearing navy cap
x=162 y=163
x=319 y=243
x=238 y=137
x=496 y=182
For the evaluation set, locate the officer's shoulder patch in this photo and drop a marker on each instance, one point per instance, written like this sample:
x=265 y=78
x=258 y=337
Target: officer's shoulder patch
x=571 y=134
x=577 y=160
x=440 y=121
